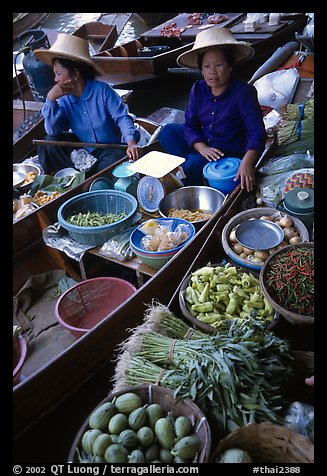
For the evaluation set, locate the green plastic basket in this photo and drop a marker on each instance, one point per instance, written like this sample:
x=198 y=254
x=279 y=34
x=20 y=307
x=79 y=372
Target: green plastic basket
x=104 y=201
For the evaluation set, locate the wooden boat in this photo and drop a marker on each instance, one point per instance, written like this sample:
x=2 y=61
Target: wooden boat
x=25 y=21
x=153 y=19
x=265 y=41
x=66 y=389
x=139 y=62
x=57 y=398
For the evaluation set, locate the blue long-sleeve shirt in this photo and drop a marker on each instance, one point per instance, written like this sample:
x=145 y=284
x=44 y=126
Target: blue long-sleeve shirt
x=232 y=121
x=98 y=115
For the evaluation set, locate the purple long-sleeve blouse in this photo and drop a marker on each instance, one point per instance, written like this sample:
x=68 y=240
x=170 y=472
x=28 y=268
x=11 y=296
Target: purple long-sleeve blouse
x=232 y=121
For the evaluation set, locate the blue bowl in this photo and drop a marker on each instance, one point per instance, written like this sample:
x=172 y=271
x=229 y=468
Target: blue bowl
x=101 y=183
x=138 y=234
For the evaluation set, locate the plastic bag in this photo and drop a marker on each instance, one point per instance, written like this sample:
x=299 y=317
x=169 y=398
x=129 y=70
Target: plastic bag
x=118 y=247
x=277 y=88
x=300 y=417
x=82 y=159
x=290 y=162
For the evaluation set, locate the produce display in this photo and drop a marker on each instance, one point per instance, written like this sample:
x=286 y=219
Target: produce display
x=217 y=295
x=125 y=430
x=95 y=218
x=290 y=280
x=194 y=215
x=291 y=237
x=234 y=377
x=160 y=238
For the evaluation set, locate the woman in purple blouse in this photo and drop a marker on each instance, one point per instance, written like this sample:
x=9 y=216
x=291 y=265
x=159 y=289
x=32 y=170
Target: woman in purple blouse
x=80 y=108
x=223 y=117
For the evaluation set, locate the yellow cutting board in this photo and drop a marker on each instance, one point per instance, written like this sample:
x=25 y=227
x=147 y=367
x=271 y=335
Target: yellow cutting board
x=156 y=164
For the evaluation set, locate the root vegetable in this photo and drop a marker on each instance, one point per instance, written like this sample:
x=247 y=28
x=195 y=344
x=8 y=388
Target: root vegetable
x=285 y=222
x=295 y=240
x=247 y=251
x=237 y=248
x=262 y=255
x=289 y=233
x=232 y=236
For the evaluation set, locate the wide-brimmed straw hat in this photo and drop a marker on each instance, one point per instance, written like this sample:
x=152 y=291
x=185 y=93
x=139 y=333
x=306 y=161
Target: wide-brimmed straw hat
x=68 y=47
x=220 y=37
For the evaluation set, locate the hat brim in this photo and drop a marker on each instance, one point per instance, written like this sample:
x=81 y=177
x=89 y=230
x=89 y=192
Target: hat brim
x=242 y=53
x=46 y=56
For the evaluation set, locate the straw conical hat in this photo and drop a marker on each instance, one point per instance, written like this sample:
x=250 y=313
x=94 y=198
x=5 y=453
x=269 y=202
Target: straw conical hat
x=68 y=47
x=220 y=37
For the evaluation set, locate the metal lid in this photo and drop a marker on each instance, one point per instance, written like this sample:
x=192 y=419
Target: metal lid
x=225 y=168
x=300 y=200
x=123 y=171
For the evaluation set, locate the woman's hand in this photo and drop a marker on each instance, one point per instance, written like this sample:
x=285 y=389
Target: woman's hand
x=132 y=150
x=246 y=171
x=210 y=153
x=58 y=90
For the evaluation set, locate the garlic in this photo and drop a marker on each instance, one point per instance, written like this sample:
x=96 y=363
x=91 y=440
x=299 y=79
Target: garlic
x=295 y=240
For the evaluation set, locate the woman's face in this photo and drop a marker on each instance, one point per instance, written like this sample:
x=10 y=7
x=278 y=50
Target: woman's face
x=216 y=70
x=61 y=74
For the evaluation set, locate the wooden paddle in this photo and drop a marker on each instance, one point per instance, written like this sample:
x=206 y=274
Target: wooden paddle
x=95 y=145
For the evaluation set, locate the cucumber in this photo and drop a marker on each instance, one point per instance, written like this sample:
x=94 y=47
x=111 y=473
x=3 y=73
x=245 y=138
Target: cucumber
x=186 y=447
x=145 y=436
x=87 y=439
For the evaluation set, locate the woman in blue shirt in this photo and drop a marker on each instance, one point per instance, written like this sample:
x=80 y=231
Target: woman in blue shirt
x=80 y=108
x=223 y=117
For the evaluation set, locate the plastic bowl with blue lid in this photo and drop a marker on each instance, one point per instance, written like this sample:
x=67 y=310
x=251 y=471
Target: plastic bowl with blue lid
x=220 y=174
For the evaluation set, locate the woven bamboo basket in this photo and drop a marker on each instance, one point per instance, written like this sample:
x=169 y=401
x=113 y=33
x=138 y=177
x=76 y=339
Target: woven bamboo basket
x=292 y=317
x=165 y=397
x=268 y=443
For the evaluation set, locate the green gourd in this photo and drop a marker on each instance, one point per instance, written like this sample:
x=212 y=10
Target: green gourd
x=87 y=439
x=100 y=444
x=100 y=417
x=154 y=412
x=137 y=418
x=136 y=456
x=127 y=402
x=186 y=447
x=145 y=436
x=128 y=439
x=118 y=423
x=164 y=431
x=116 y=454
x=183 y=426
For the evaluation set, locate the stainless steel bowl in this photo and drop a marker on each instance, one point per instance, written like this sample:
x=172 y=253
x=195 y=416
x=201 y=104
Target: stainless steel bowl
x=205 y=199
x=25 y=169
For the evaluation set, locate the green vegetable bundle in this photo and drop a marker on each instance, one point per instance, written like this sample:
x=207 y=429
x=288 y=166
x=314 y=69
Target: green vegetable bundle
x=232 y=376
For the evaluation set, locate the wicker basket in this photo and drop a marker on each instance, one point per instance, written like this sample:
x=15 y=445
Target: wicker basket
x=202 y=325
x=292 y=317
x=268 y=443
x=104 y=201
x=165 y=397
x=245 y=216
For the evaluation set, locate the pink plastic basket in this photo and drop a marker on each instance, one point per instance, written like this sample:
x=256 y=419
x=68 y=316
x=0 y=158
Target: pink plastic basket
x=87 y=303
x=19 y=354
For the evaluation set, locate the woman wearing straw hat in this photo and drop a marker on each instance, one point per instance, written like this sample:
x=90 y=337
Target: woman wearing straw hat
x=81 y=108
x=223 y=116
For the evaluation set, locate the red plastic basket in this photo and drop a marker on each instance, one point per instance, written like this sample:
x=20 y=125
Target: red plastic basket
x=87 y=303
